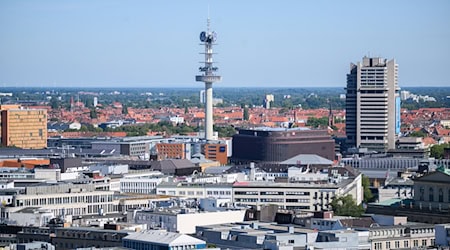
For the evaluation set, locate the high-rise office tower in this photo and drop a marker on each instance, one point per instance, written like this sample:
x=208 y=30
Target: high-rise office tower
x=208 y=76
x=373 y=104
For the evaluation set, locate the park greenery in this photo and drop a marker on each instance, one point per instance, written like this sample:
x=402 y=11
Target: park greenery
x=346 y=206
x=285 y=98
x=418 y=134
x=437 y=151
x=368 y=196
x=163 y=128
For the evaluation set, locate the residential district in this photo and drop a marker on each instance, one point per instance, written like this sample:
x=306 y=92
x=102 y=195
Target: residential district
x=105 y=175
x=369 y=176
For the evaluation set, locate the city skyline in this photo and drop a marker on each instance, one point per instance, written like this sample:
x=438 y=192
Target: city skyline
x=262 y=44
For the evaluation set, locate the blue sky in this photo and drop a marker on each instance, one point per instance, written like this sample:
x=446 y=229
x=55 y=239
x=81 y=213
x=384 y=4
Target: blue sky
x=106 y=43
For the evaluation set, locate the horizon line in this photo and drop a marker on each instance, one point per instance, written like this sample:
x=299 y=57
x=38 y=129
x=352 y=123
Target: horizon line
x=217 y=87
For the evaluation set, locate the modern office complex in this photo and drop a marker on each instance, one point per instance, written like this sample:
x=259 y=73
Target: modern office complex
x=304 y=196
x=373 y=104
x=279 y=144
x=23 y=128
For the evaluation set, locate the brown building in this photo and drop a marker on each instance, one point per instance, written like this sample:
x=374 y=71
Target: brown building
x=171 y=151
x=216 y=152
x=279 y=144
x=23 y=128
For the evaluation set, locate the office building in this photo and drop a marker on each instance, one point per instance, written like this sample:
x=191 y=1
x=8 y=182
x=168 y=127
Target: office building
x=185 y=220
x=279 y=144
x=309 y=195
x=171 y=150
x=23 y=128
x=216 y=152
x=373 y=104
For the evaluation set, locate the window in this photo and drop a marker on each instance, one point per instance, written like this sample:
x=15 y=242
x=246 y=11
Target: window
x=424 y=242
x=422 y=193
x=388 y=245
x=415 y=243
x=291 y=241
x=441 y=195
x=397 y=244
x=406 y=244
x=430 y=194
x=378 y=246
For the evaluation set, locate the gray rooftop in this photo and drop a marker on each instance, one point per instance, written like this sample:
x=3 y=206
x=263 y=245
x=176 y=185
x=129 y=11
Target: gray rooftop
x=216 y=170
x=277 y=129
x=163 y=237
x=307 y=159
x=263 y=184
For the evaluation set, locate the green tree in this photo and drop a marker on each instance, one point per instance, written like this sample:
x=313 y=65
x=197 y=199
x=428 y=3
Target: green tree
x=246 y=115
x=368 y=196
x=124 y=109
x=93 y=113
x=317 y=122
x=287 y=103
x=418 y=134
x=437 y=151
x=346 y=206
x=54 y=103
x=225 y=131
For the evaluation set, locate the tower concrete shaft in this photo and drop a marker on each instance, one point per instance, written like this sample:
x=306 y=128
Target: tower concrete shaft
x=208 y=76
x=209 y=121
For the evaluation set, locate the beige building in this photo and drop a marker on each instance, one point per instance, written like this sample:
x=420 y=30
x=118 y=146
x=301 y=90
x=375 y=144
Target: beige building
x=402 y=237
x=23 y=128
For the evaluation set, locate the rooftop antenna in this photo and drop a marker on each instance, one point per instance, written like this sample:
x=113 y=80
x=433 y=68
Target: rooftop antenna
x=208 y=21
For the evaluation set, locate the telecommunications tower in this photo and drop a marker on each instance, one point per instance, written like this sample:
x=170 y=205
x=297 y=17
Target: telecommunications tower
x=208 y=39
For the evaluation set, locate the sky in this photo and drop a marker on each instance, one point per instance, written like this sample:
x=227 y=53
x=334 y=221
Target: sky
x=110 y=43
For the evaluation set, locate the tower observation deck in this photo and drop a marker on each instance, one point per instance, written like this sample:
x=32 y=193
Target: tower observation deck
x=208 y=76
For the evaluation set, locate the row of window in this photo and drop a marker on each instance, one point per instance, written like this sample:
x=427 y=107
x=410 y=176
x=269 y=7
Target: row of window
x=388 y=244
x=431 y=194
x=64 y=200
